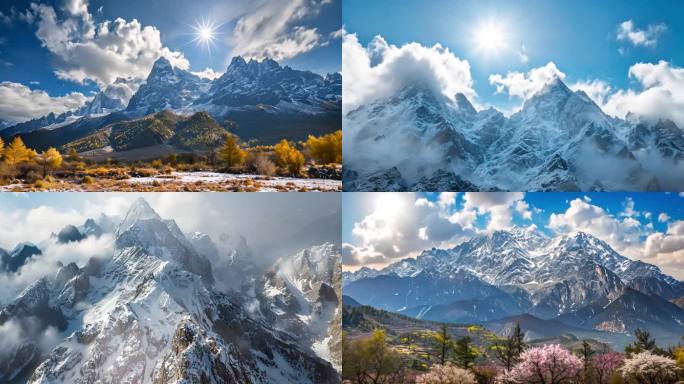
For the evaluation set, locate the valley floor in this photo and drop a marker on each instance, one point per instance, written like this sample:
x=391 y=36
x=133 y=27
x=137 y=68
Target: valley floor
x=186 y=182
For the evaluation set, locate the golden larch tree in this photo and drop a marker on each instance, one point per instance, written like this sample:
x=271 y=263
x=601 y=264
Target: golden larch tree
x=231 y=153
x=17 y=153
x=50 y=159
x=288 y=157
x=327 y=148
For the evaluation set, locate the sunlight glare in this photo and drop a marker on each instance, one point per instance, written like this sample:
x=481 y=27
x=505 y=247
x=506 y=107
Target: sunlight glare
x=490 y=37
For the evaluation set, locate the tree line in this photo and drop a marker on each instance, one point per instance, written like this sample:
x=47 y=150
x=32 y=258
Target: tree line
x=506 y=360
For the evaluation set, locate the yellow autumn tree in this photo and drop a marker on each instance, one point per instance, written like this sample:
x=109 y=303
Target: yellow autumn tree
x=231 y=153
x=327 y=148
x=17 y=153
x=73 y=155
x=288 y=157
x=2 y=146
x=50 y=159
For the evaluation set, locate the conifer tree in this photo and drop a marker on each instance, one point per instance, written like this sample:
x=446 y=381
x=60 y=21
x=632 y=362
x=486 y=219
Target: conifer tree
x=17 y=153
x=465 y=352
x=50 y=159
x=289 y=158
x=443 y=344
x=231 y=153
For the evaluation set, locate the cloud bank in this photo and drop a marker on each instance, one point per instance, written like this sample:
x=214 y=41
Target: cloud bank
x=20 y=103
x=400 y=225
x=661 y=93
x=381 y=69
x=403 y=224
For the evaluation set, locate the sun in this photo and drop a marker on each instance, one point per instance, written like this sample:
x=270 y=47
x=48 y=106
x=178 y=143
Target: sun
x=205 y=33
x=490 y=37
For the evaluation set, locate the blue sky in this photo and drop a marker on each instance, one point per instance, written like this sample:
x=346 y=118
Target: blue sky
x=580 y=37
x=250 y=28
x=379 y=228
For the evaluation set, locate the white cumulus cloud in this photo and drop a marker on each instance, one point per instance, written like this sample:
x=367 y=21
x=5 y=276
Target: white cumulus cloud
x=648 y=37
x=19 y=103
x=86 y=51
x=381 y=69
x=526 y=85
x=661 y=94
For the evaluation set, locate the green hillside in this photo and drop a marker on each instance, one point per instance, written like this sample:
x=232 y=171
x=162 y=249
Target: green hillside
x=199 y=132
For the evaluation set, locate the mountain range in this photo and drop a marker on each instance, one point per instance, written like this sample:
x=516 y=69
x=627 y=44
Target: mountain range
x=259 y=100
x=155 y=312
x=568 y=283
x=552 y=144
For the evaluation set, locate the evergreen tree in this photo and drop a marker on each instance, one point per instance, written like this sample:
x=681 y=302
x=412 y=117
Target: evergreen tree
x=443 y=344
x=509 y=349
x=642 y=343
x=586 y=353
x=518 y=339
x=465 y=352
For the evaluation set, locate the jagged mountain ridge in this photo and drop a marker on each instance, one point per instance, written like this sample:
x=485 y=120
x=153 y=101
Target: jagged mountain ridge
x=552 y=143
x=151 y=314
x=253 y=95
x=574 y=278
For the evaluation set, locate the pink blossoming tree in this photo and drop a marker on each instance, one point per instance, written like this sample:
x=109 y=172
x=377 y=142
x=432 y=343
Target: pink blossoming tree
x=605 y=366
x=550 y=364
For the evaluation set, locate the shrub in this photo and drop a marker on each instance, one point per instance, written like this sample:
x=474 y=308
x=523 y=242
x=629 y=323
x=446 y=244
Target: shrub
x=371 y=357
x=289 y=158
x=262 y=165
x=485 y=374
x=446 y=374
x=31 y=177
x=326 y=149
x=40 y=184
x=172 y=159
x=88 y=180
x=156 y=164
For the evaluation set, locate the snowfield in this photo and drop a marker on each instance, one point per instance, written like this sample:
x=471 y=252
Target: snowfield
x=268 y=184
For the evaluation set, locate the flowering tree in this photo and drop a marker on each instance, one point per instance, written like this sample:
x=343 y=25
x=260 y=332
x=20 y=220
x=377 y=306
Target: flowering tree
x=446 y=374
x=647 y=368
x=550 y=364
x=605 y=366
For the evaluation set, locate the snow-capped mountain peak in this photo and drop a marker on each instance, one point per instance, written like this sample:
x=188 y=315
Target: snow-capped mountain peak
x=140 y=210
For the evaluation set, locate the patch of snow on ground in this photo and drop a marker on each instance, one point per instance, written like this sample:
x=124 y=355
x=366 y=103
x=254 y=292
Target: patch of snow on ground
x=269 y=184
x=322 y=348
